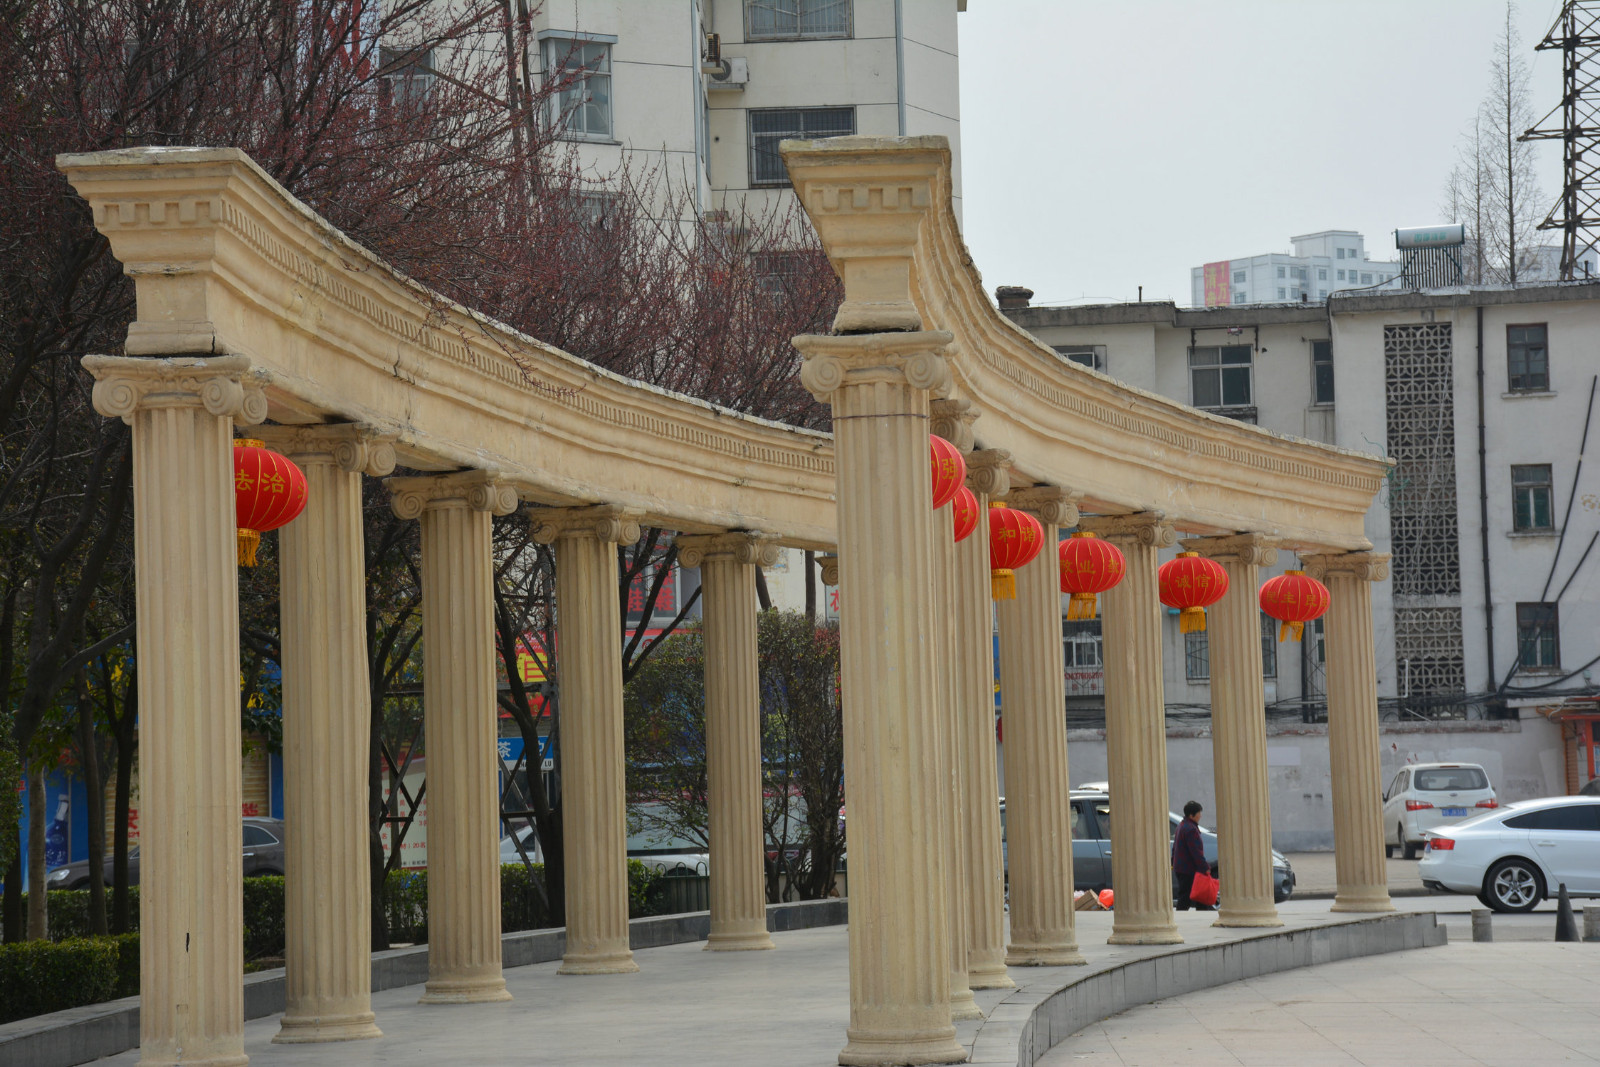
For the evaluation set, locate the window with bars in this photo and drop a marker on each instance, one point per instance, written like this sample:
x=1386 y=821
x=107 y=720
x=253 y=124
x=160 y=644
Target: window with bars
x=1538 y=636
x=769 y=127
x=766 y=20
x=1527 y=358
x=1197 y=652
x=581 y=106
x=1530 y=497
x=1322 y=372
x=1269 y=646
x=1219 y=377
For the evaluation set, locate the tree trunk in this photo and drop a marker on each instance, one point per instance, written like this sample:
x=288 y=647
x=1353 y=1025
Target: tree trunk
x=121 y=895
x=762 y=596
x=11 y=907
x=811 y=587
x=89 y=749
x=38 y=912
x=376 y=810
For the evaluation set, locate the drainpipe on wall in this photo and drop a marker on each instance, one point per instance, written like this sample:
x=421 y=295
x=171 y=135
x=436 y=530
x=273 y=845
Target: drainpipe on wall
x=900 y=65
x=1483 y=516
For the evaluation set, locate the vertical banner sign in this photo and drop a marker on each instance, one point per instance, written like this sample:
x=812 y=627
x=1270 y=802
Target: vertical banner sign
x=1218 y=292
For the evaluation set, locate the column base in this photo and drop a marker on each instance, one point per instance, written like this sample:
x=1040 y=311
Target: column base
x=1044 y=956
x=464 y=991
x=1248 y=919
x=963 y=1006
x=1364 y=898
x=990 y=978
x=897 y=1049
x=306 y=1029
x=739 y=942
x=183 y=1060
x=1152 y=934
x=603 y=963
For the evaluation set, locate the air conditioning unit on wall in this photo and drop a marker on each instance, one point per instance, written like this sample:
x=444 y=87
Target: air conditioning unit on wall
x=732 y=73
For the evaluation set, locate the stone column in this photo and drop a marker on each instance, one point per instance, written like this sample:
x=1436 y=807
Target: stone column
x=327 y=709
x=1033 y=706
x=594 y=793
x=459 y=722
x=878 y=386
x=980 y=837
x=1136 y=734
x=727 y=565
x=1353 y=744
x=1239 y=732
x=191 y=951
x=951 y=420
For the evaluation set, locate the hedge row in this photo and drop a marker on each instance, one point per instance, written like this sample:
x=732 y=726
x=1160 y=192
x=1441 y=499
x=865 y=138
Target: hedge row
x=44 y=976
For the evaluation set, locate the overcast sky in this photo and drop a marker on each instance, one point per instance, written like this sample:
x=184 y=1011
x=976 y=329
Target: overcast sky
x=1108 y=144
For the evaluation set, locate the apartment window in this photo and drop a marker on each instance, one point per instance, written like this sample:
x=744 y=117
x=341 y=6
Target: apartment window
x=1339 y=275
x=1322 y=274
x=1239 y=298
x=1196 y=657
x=1322 y=294
x=1081 y=645
x=1528 y=358
x=408 y=75
x=581 y=67
x=1322 y=372
x=1283 y=272
x=771 y=126
x=766 y=20
x=1530 y=497
x=1366 y=279
x=1538 y=636
x=1220 y=377
x=1091 y=356
x=1280 y=293
x=1338 y=253
x=1303 y=273
x=1238 y=277
x=1269 y=646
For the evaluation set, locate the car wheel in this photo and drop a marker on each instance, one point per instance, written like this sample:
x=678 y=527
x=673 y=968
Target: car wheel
x=1512 y=885
x=1408 y=850
x=1388 y=851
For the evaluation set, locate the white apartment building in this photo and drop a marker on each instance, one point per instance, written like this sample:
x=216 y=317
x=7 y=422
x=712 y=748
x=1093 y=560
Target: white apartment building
x=1321 y=263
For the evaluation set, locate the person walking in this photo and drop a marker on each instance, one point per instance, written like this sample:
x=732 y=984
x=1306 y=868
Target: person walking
x=1189 y=856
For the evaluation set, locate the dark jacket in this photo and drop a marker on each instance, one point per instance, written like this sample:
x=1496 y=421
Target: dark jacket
x=1188 y=851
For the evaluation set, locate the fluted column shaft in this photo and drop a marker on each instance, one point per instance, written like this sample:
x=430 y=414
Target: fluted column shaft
x=1353 y=744
x=878 y=387
x=974 y=659
x=1136 y=737
x=459 y=724
x=594 y=791
x=191 y=952
x=733 y=736
x=326 y=725
x=1038 y=799
x=1239 y=734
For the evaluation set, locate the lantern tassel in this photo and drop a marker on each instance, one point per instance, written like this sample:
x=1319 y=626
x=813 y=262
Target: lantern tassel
x=1192 y=621
x=1003 y=584
x=1082 y=606
x=249 y=541
x=1298 y=629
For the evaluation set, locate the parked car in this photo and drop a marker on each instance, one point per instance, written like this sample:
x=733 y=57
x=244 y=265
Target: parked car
x=1516 y=856
x=655 y=847
x=1425 y=796
x=263 y=854
x=1091 y=845
x=530 y=844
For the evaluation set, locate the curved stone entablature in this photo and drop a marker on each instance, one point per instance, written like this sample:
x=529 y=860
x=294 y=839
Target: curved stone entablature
x=882 y=206
x=226 y=262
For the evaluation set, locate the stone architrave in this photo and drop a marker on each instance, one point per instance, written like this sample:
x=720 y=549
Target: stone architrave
x=951 y=420
x=182 y=412
x=1136 y=733
x=460 y=724
x=878 y=386
x=727 y=565
x=980 y=838
x=1353 y=746
x=326 y=733
x=1033 y=708
x=594 y=800
x=1239 y=730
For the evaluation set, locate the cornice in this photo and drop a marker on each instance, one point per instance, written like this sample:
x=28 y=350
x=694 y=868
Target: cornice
x=605 y=522
x=354 y=449
x=225 y=386
x=737 y=546
x=1151 y=529
x=1049 y=504
x=1252 y=549
x=476 y=490
x=1362 y=566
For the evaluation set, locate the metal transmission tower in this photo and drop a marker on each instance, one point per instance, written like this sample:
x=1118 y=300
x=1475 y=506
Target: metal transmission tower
x=1577 y=33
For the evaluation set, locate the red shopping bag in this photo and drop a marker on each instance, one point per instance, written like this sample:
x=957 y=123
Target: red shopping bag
x=1204 y=889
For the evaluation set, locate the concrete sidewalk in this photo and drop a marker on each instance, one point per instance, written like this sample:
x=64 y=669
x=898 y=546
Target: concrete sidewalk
x=1315 y=878
x=1516 y=1003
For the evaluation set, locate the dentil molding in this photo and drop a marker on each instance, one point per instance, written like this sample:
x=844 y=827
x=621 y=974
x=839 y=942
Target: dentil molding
x=477 y=490
x=225 y=386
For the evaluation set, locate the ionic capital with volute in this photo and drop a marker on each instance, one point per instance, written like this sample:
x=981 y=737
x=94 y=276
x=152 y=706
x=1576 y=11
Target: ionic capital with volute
x=479 y=490
x=739 y=546
x=952 y=420
x=833 y=362
x=225 y=386
x=353 y=447
x=830 y=568
x=1362 y=566
x=604 y=522
x=986 y=472
x=1048 y=503
x=1148 y=528
x=1250 y=549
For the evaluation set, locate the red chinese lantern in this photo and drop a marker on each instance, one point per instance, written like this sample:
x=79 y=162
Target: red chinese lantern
x=964 y=513
x=1088 y=566
x=269 y=491
x=1191 y=583
x=1015 y=537
x=949 y=470
x=1294 y=598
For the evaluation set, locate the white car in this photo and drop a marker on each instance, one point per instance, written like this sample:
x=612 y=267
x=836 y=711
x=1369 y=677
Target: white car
x=1516 y=856
x=1425 y=796
x=530 y=845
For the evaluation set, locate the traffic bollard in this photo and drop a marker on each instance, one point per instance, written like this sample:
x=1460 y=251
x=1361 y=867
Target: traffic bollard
x=1566 y=922
x=1591 y=923
x=1483 y=924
